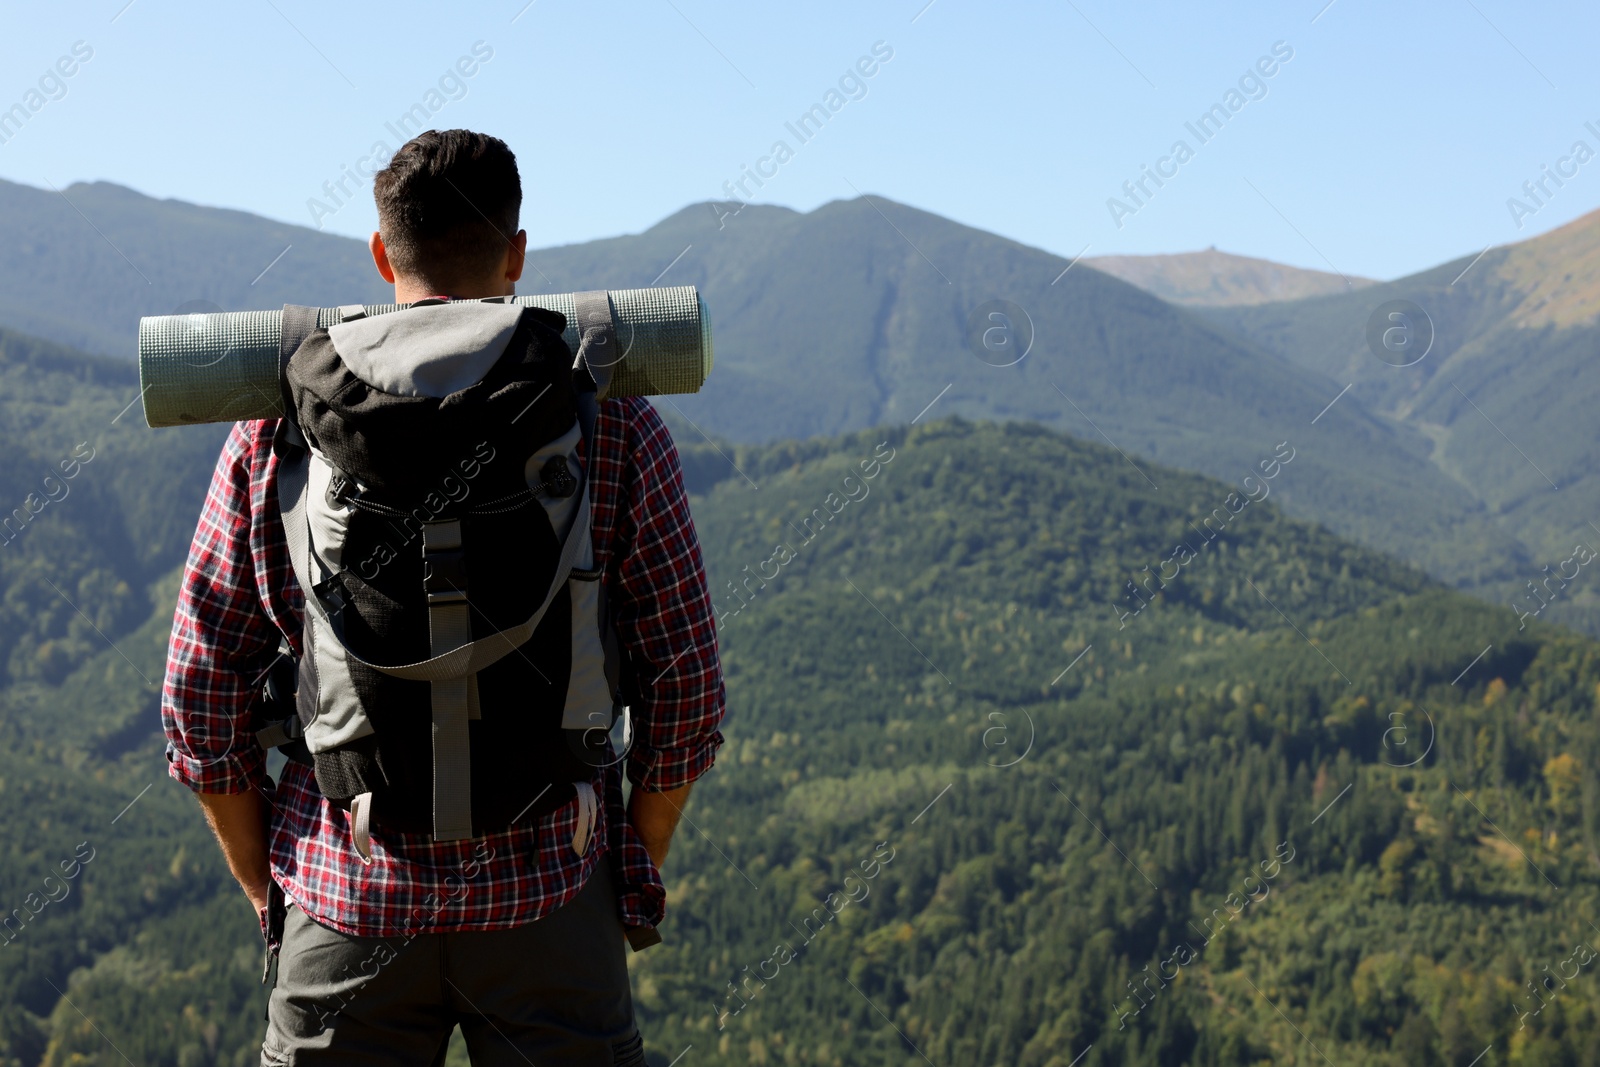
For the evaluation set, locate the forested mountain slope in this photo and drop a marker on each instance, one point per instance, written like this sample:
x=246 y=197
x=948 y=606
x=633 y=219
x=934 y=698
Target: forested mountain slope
x=93 y=505
x=975 y=786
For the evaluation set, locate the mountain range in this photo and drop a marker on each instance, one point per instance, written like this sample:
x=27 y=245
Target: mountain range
x=1155 y=769
x=1499 y=378
x=1222 y=279
x=859 y=313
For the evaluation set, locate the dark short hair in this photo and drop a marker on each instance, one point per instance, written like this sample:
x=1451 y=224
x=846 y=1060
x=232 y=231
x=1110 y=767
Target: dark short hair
x=448 y=203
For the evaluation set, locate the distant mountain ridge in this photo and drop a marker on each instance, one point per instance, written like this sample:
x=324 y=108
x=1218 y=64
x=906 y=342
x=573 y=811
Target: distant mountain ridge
x=858 y=313
x=1221 y=279
x=1506 y=394
x=83 y=264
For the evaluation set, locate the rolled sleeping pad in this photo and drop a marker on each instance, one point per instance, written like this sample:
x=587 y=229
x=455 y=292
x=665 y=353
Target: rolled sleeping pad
x=224 y=366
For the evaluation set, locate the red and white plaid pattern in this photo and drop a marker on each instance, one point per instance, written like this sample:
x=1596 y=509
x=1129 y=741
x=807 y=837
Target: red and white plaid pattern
x=239 y=594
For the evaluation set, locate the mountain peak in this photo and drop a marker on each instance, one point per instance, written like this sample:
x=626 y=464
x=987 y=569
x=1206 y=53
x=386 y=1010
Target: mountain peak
x=1557 y=274
x=1221 y=279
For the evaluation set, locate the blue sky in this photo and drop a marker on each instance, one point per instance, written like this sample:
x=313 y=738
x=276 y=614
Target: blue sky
x=1390 y=141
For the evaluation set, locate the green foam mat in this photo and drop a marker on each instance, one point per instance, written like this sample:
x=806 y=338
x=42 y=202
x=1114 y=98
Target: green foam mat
x=223 y=366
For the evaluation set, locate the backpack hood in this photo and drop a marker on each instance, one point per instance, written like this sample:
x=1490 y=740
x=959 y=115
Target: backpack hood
x=394 y=400
x=433 y=350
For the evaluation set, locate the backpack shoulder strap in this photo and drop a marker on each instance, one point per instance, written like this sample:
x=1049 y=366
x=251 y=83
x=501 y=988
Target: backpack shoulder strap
x=588 y=415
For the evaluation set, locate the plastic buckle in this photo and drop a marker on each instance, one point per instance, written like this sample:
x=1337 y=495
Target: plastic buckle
x=444 y=576
x=332 y=593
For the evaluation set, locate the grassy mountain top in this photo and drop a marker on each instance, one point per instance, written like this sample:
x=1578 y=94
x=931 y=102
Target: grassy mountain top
x=1222 y=279
x=1505 y=394
x=1556 y=275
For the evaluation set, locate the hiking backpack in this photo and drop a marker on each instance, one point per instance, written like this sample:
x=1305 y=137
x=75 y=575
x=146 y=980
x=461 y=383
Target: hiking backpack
x=459 y=672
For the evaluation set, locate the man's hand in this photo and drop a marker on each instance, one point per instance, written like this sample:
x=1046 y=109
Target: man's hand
x=655 y=816
x=240 y=822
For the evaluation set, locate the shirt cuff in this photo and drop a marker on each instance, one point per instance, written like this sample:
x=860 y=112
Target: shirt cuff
x=641 y=896
x=642 y=905
x=660 y=770
x=229 y=774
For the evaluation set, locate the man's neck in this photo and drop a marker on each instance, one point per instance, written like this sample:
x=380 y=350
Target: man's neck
x=411 y=290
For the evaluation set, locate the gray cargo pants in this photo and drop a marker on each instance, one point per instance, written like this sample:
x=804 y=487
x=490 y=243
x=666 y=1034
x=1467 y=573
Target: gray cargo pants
x=554 y=992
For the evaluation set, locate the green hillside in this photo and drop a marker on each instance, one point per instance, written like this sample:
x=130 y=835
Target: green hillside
x=1505 y=395
x=93 y=505
x=853 y=315
x=1197 y=738
x=932 y=684
x=96 y=509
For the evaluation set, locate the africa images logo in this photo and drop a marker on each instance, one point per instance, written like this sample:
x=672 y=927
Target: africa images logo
x=51 y=85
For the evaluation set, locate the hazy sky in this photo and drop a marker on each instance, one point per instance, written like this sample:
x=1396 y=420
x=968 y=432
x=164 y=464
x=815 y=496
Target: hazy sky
x=1391 y=140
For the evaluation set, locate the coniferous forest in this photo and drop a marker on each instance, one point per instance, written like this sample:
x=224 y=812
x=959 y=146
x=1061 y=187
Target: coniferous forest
x=1011 y=777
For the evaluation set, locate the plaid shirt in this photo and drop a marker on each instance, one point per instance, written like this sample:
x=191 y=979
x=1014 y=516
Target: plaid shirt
x=239 y=594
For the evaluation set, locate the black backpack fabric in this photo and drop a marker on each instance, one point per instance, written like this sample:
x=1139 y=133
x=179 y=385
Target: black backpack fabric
x=459 y=674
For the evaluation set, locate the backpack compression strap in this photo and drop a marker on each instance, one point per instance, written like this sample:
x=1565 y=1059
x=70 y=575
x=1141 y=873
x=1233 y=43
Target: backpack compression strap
x=598 y=350
x=597 y=355
x=299 y=322
x=473 y=655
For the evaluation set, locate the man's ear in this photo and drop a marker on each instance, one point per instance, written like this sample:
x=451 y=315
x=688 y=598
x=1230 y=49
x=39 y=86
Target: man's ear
x=516 y=255
x=380 y=257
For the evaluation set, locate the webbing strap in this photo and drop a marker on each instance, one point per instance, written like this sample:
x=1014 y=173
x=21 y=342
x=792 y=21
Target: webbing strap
x=474 y=656
x=588 y=415
x=294 y=472
x=361 y=827
x=298 y=323
x=449 y=626
x=598 y=350
x=278 y=734
x=588 y=812
x=467 y=658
